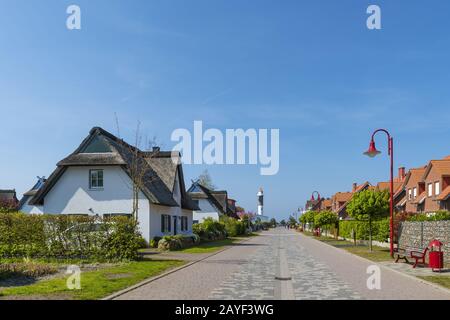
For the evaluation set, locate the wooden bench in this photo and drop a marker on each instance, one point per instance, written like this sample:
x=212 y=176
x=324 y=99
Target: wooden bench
x=418 y=254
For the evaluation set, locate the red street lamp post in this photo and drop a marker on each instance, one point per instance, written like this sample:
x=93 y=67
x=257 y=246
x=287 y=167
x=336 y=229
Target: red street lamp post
x=372 y=152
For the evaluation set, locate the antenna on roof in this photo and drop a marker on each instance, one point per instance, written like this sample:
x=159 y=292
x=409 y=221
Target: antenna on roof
x=117 y=124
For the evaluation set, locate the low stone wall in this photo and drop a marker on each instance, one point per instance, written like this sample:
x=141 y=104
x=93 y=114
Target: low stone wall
x=420 y=234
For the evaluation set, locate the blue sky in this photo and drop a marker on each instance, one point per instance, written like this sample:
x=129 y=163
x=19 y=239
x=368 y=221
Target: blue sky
x=310 y=68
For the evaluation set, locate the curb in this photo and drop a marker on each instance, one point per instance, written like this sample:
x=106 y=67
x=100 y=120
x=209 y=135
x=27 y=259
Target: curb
x=164 y=274
x=436 y=286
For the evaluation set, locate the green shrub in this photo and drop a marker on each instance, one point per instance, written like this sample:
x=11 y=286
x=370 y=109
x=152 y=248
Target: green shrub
x=177 y=242
x=380 y=229
x=233 y=227
x=435 y=216
x=154 y=242
x=63 y=236
x=123 y=242
x=210 y=230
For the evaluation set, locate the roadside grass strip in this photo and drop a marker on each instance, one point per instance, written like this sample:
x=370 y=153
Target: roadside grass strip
x=94 y=284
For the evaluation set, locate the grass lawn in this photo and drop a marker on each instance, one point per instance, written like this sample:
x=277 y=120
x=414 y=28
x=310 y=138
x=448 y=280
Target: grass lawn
x=94 y=284
x=378 y=254
x=208 y=247
x=440 y=280
x=213 y=246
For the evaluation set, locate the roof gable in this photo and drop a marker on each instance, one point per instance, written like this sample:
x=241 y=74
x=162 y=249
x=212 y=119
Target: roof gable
x=97 y=144
x=218 y=199
x=442 y=167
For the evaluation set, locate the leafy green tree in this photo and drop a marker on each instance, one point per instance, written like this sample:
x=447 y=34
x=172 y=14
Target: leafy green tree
x=292 y=221
x=273 y=222
x=324 y=219
x=283 y=222
x=308 y=218
x=369 y=205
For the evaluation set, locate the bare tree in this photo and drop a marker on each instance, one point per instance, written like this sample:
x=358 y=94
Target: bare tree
x=205 y=180
x=140 y=170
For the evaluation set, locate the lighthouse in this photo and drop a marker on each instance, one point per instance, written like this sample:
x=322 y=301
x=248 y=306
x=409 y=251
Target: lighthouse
x=260 y=196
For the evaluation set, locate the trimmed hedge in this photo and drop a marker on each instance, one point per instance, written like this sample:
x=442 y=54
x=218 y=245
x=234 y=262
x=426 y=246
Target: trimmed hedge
x=210 y=230
x=435 y=216
x=63 y=236
x=380 y=229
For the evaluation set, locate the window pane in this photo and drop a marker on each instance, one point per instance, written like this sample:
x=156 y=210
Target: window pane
x=96 y=179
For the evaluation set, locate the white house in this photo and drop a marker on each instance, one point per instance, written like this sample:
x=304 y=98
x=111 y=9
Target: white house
x=97 y=179
x=24 y=204
x=211 y=203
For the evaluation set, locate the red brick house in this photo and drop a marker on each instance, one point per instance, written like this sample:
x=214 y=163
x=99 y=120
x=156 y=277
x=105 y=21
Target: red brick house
x=399 y=193
x=436 y=184
x=415 y=190
x=340 y=200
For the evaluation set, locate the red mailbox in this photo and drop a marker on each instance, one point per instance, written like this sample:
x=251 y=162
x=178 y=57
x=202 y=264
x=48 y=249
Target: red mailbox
x=436 y=256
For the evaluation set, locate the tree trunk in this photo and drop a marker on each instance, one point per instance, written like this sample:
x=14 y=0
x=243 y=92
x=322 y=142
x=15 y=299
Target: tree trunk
x=370 y=234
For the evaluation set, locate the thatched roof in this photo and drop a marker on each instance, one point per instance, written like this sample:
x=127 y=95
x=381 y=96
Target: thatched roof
x=218 y=199
x=159 y=169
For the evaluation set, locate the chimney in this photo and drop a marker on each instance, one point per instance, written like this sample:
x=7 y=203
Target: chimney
x=355 y=186
x=401 y=174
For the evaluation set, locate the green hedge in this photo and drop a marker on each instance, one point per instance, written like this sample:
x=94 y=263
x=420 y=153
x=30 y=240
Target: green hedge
x=210 y=230
x=436 y=216
x=234 y=227
x=63 y=236
x=380 y=229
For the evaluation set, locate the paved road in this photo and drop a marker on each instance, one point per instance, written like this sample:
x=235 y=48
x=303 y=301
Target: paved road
x=283 y=264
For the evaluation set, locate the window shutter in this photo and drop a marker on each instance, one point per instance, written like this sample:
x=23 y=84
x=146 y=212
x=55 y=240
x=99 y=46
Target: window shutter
x=170 y=223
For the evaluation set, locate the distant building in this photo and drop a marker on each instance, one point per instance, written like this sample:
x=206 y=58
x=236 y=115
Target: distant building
x=8 y=198
x=24 y=204
x=211 y=203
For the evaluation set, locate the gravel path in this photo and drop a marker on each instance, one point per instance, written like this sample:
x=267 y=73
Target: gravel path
x=283 y=264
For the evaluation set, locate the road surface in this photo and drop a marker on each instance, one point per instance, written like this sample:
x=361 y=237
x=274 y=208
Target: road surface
x=282 y=264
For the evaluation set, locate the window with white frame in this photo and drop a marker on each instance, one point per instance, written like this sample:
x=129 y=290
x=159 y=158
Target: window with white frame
x=409 y=194
x=96 y=179
x=437 y=188
x=415 y=193
x=430 y=189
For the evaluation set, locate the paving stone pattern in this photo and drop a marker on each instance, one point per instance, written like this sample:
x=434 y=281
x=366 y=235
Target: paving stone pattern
x=256 y=277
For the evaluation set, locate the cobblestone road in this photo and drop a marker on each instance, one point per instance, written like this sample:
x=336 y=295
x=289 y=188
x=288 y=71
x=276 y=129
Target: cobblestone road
x=309 y=278
x=283 y=264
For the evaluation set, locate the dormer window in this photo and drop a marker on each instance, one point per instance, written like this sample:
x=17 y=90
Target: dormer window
x=95 y=179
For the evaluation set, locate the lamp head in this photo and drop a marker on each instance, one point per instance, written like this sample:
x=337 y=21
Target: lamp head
x=372 y=152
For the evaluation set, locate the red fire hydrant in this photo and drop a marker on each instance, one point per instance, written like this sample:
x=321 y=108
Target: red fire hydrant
x=436 y=256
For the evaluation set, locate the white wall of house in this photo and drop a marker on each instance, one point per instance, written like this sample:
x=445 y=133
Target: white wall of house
x=29 y=209
x=155 y=219
x=206 y=211
x=71 y=195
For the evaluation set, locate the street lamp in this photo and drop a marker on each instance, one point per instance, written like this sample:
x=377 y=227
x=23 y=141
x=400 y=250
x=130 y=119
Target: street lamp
x=318 y=196
x=373 y=152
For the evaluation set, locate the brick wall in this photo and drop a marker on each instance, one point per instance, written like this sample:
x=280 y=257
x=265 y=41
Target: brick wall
x=420 y=234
